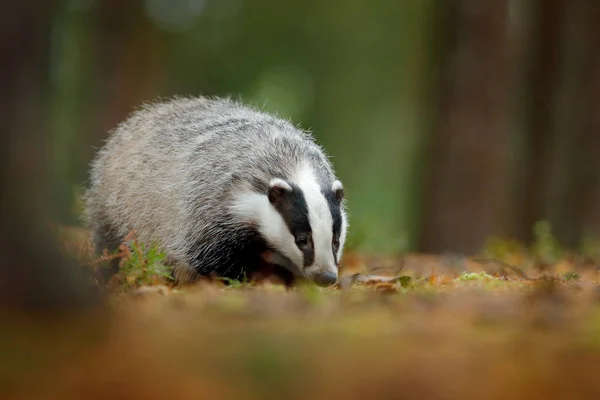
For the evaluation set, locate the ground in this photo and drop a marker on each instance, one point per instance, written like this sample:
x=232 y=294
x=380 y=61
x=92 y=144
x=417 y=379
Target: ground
x=408 y=327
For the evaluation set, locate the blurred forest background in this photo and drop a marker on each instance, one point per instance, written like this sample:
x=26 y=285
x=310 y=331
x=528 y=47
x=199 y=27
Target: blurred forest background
x=448 y=121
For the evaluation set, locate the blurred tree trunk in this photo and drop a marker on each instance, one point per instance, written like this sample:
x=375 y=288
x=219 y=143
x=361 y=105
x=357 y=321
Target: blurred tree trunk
x=130 y=67
x=107 y=60
x=466 y=190
x=576 y=174
x=34 y=276
x=541 y=82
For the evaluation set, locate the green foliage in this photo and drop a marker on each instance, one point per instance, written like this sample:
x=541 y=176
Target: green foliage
x=570 y=276
x=143 y=265
x=404 y=281
x=232 y=283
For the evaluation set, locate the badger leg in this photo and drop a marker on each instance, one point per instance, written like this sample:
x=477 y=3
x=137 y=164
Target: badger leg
x=274 y=265
x=183 y=274
x=240 y=254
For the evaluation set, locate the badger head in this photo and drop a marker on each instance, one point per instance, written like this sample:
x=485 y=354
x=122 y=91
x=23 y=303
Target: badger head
x=303 y=223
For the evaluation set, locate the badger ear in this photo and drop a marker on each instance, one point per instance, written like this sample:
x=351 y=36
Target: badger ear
x=338 y=190
x=278 y=189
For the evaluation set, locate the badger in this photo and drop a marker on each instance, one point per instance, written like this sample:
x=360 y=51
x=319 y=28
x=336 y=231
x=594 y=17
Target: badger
x=222 y=188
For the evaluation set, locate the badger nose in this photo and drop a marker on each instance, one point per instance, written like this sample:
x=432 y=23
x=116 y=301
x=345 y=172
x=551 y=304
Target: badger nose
x=325 y=279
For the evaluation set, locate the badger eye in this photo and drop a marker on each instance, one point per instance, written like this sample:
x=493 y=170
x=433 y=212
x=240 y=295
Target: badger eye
x=302 y=241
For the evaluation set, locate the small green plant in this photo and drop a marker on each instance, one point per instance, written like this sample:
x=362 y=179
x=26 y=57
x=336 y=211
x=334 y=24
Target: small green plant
x=232 y=283
x=570 y=276
x=142 y=265
x=404 y=281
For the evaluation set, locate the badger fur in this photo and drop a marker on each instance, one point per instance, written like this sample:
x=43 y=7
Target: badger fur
x=222 y=188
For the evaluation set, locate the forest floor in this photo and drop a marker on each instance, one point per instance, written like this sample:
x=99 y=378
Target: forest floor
x=408 y=327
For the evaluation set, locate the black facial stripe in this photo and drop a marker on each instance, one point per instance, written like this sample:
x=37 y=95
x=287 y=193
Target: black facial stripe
x=309 y=252
x=294 y=212
x=336 y=215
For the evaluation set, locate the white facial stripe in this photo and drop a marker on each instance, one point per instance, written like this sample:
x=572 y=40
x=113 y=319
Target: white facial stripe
x=320 y=219
x=255 y=207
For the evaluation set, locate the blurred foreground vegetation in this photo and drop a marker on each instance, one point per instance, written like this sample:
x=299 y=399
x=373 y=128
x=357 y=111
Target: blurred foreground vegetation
x=420 y=326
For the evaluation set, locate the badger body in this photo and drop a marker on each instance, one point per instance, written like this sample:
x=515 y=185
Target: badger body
x=221 y=188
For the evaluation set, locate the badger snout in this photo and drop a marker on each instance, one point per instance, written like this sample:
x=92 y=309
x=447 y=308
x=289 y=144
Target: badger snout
x=325 y=279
